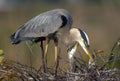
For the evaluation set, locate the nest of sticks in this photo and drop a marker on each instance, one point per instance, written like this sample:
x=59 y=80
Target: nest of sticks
x=15 y=71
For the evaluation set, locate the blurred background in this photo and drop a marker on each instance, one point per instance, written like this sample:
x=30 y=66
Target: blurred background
x=100 y=19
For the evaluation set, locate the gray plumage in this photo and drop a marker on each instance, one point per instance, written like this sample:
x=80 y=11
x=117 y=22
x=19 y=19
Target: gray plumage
x=43 y=25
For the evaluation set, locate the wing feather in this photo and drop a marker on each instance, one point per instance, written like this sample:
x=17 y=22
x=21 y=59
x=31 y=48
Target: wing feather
x=41 y=25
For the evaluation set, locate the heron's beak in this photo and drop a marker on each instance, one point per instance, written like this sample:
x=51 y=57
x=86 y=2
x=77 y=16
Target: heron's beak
x=87 y=51
x=72 y=50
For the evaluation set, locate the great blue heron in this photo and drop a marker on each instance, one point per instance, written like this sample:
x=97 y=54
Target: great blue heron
x=79 y=37
x=46 y=26
x=52 y=24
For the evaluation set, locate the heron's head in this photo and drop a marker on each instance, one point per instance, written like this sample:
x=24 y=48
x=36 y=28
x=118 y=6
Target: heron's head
x=80 y=38
x=79 y=35
x=75 y=35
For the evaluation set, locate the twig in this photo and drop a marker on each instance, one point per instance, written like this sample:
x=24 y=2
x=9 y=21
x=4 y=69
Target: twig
x=110 y=55
x=31 y=53
x=111 y=52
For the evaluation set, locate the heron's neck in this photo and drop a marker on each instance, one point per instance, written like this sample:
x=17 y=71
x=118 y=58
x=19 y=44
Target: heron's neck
x=66 y=38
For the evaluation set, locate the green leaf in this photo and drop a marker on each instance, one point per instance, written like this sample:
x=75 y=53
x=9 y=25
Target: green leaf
x=32 y=44
x=1 y=52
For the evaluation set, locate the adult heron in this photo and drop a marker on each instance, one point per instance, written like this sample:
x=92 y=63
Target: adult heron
x=45 y=26
x=79 y=37
x=49 y=25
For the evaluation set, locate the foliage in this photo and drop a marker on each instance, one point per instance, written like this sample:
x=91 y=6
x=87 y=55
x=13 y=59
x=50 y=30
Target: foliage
x=1 y=55
x=1 y=52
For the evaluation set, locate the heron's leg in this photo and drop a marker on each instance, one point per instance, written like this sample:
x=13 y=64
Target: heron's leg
x=43 y=59
x=56 y=55
x=46 y=49
x=56 y=48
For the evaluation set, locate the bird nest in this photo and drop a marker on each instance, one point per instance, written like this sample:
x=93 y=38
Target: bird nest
x=15 y=71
